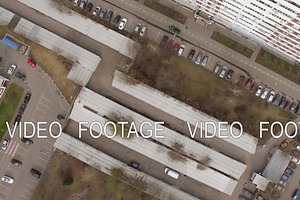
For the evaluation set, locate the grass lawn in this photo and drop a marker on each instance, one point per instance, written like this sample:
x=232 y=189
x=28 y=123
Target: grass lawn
x=289 y=71
x=9 y=105
x=56 y=66
x=232 y=44
x=200 y=88
x=155 y=5
x=88 y=183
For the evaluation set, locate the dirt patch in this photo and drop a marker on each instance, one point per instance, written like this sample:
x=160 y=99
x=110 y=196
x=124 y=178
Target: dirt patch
x=13 y=95
x=88 y=183
x=198 y=87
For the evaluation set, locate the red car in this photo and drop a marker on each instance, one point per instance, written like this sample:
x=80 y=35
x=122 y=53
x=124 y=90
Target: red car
x=254 y=87
x=31 y=62
x=175 y=49
x=170 y=44
x=241 y=80
x=287 y=106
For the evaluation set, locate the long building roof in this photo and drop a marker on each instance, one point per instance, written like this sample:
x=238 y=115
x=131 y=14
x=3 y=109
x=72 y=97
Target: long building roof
x=84 y=25
x=85 y=62
x=180 y=110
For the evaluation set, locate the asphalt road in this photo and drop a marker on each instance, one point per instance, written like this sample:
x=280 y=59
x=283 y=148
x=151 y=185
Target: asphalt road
x=44 y=105
x=197 y=34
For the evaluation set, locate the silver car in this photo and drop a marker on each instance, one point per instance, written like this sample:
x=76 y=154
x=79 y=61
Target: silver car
x=198 y=58
x=143 y=31
x=265 y=93
x=7 y=179
x=258 y=91
x=223 y=72
x=11 y=69
x=204 y=61
x=5 y=144
x=271 y=96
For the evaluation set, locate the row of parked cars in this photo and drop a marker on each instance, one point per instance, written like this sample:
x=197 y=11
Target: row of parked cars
x=103 y=13
x=246 y=195
x=270 y=95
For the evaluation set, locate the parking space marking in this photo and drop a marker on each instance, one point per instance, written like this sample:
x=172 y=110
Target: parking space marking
x=40 y=110
x=43 y=159
x=43 y=166
x=23 y=149
x=10 y=169
x=25 y=197
x=5 y=187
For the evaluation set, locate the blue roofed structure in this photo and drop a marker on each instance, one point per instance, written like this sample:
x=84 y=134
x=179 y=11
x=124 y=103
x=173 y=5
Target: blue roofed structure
x=10 y=43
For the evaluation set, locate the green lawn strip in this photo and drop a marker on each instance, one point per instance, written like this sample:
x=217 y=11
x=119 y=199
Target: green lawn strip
x=289 y=71
x=155 y=5
x=9 y=106
x=232 y=44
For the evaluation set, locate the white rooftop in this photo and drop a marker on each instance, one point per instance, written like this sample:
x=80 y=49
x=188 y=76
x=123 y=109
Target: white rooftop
x=5 y=16
x=106 y=163
x=84 y=25
x=180 y=110
x=105 y=107
x=85 y=62
x=158 y=153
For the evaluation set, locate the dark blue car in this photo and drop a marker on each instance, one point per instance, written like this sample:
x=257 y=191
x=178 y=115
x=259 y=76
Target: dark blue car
x=296 y=195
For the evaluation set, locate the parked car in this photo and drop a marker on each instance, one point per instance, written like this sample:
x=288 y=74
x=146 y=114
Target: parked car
x=298 y=110
x=17 y=119
x=89 y=6
x=241 y=80
x=135 y=165
x=279 y=187
x=27 y=141
x=271 y=96
x=296 y=195
x=76 y=2
x=284 y=144
x=16 y=162
x=295 y=160
x=296 y=153
x=22 y=108
x=143 y=31
x=117 y=19
x=170 y=44
x=265 y=93
x=229 y=75
x=247 y=193
x=7 y=179
x=31 y=62
x=297 y=146
x=204 y=61
x=276 y=99
x=27 y=97
x=96 y=10
x=191 y=54
x=175 y=48
x=254 y=87
x=249 y=83
x=293 y=165
x=11 y=69
x=20 y=75
x=283 y=102
x=102 y=13
x=5 y=144
x=242 y=198
x=35 y=173
x=289 y=171
x=137 y=27
x=109 y=16
x=217 y=68
x=281 y=182
x=258 y=91
x=285 y=177
x=223 y=72
x=287 y=106
x=164 y=41
x=198 y=58
x=61 y=118
x=293 y=107
x=181 y=49
x=83 y=4
x=174 y=29
x=122 y=24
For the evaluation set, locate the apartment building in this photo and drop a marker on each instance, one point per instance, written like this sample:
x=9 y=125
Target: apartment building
x=271 y=23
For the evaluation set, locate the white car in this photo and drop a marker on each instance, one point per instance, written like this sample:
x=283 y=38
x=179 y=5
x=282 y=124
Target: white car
x=137 y=27
x=11 y=69
x=297 y=146
x=265 y=93
x=258 y=91
x=143 y=31
x=83 y=4
x=204 y=61
x=96 y=10
x=181 y=49
x=271 y=96
x=5 y=144
x=296 y=160
x=122 y=24
x=223 y=72
x=7 y=179
x=76 y=2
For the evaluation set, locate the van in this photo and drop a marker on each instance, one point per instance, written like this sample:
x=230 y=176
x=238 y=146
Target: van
x=180 y=51
x=171 y=173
